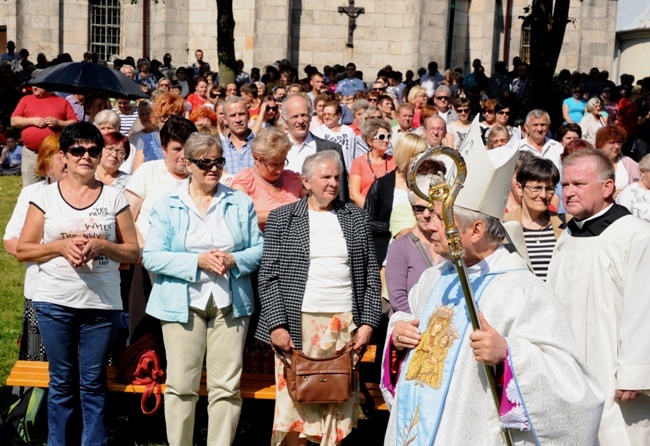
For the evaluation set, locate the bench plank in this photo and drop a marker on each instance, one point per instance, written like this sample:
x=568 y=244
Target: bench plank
x=253 y=386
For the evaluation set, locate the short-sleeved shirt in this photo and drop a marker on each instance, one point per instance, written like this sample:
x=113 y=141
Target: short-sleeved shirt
x=96 y=285
x=552 y=150
x=127 y=120
x=370 y=172
x=348 y=87
x=237 y=160
x=150 y=145
x=15 y=228
x=14 y=157
x=150 y=182
x=265 y=196
x=31 y=107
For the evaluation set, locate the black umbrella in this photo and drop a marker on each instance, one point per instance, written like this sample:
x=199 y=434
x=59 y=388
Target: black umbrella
x=85 y=77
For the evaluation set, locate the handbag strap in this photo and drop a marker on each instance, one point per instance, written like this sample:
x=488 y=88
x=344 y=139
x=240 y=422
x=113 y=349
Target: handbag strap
x=346 y=350
x=149 y=390
x=423 y=252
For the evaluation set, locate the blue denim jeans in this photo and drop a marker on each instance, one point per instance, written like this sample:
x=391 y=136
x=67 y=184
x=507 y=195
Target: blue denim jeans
x=77 y=343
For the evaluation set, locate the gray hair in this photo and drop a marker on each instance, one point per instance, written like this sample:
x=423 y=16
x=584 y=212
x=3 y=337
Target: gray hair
x=443 y=89
x=494 y=230
x=198 y=144
x=591 y=104
x=644 y=164
x=309 y=166
x=359 y=104
x=232 y=100
x=370 y=127
x=428 y=120
x=537 y=113
x=109 y=116
x=370 y=111
x=293 y=96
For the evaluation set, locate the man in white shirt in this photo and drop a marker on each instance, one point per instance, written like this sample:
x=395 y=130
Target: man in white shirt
x=537 y=142
x=316 y=81
x=404 y=121
x=296 y=112
x=442 y=101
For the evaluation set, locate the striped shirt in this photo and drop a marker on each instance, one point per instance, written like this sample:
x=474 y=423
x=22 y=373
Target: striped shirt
x=127 y=121
x=540 y=244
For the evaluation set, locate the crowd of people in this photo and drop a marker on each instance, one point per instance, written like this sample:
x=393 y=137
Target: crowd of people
x=275 y=211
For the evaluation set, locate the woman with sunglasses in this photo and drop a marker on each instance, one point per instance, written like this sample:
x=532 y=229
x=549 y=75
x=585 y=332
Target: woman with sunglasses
x=460 y=128
x=489 y=118
x=202 y=246
x=268 y=117
x=373 y=164
x=78 y=231
x=267 y=183
x=216 y=94
x=502 y=115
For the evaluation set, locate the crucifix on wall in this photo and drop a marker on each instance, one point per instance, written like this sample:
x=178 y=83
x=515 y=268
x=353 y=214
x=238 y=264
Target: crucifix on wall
x=352 y=12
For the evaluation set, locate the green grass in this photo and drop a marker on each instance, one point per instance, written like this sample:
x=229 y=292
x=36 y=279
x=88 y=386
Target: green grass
x=12 y=274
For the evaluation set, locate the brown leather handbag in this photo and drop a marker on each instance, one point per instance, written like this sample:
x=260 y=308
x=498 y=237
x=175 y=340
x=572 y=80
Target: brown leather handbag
x=320 y=380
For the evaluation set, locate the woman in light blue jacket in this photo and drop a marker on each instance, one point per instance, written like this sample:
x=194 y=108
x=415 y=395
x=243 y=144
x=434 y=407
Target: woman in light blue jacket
x=203 y=244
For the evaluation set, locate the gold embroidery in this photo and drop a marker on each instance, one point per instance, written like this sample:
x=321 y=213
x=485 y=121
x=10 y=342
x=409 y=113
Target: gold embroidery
x=406 y=438
x=428 y=361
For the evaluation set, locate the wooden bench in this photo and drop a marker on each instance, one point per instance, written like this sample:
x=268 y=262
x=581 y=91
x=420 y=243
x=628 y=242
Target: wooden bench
x=253 y=386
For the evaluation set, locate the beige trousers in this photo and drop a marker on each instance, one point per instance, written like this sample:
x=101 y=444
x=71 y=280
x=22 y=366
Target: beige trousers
x=215 y=334
x=28 y=167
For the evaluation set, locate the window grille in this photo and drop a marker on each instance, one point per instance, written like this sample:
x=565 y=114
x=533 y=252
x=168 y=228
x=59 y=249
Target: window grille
x=105 y=28
x=524 y=52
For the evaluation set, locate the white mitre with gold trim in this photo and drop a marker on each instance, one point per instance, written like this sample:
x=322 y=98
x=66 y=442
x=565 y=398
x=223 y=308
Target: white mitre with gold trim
x=489 y=173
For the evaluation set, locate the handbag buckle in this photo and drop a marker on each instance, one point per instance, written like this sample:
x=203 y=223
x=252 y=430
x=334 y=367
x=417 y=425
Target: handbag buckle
x=323 y=380
x=304 y=378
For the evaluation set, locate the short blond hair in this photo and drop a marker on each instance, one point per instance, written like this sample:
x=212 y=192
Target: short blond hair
x=270 y=143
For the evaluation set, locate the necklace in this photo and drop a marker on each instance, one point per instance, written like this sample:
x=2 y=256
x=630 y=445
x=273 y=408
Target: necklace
x=374 y=175
x=277 y=184
x=538 y=233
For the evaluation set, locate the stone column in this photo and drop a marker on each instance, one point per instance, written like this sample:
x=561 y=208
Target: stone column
x=271 y=39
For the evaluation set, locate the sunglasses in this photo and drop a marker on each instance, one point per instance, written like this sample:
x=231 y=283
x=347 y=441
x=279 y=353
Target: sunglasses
x=418 y=208
x=378 y=89
x=503 y=112
x=384 y=137
x=79 y=151
x=208 y=163
x=273 y=108
x=215 y=95
x=488 y=111
x=373 y=100
x=462 y=110
x=443 y=98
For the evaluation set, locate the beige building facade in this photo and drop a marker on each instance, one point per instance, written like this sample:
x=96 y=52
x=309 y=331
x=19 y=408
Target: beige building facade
x=406 y=34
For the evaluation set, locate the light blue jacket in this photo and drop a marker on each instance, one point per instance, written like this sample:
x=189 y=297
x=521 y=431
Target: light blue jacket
x=175 y=268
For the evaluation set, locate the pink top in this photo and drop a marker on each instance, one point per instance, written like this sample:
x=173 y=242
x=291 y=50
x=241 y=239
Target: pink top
x=370 y=172
x=265 y=196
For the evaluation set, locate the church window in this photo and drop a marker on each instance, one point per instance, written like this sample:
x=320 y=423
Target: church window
x=524 y=52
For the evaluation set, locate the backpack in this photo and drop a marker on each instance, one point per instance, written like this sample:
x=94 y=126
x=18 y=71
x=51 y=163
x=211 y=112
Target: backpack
x=139 y=364
x=25 y=422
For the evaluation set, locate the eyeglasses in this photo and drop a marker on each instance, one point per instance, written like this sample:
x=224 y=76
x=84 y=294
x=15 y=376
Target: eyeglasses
x=275 y=166
x=118 y=152
x=378 y=89
x=208 y=163
x=462 y=110
x=503 y=112
x=418 y=208
x=272 y=108
x=373 y=100
x=165 y=85
x=443 y=98
x=80 y=151
x=383 y=137
x=216 y=95
x=537 y=190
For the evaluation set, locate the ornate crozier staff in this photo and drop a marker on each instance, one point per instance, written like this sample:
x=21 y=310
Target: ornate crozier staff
x=441 y=190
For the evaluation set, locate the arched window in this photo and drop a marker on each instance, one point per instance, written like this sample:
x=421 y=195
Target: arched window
x=105 y=27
